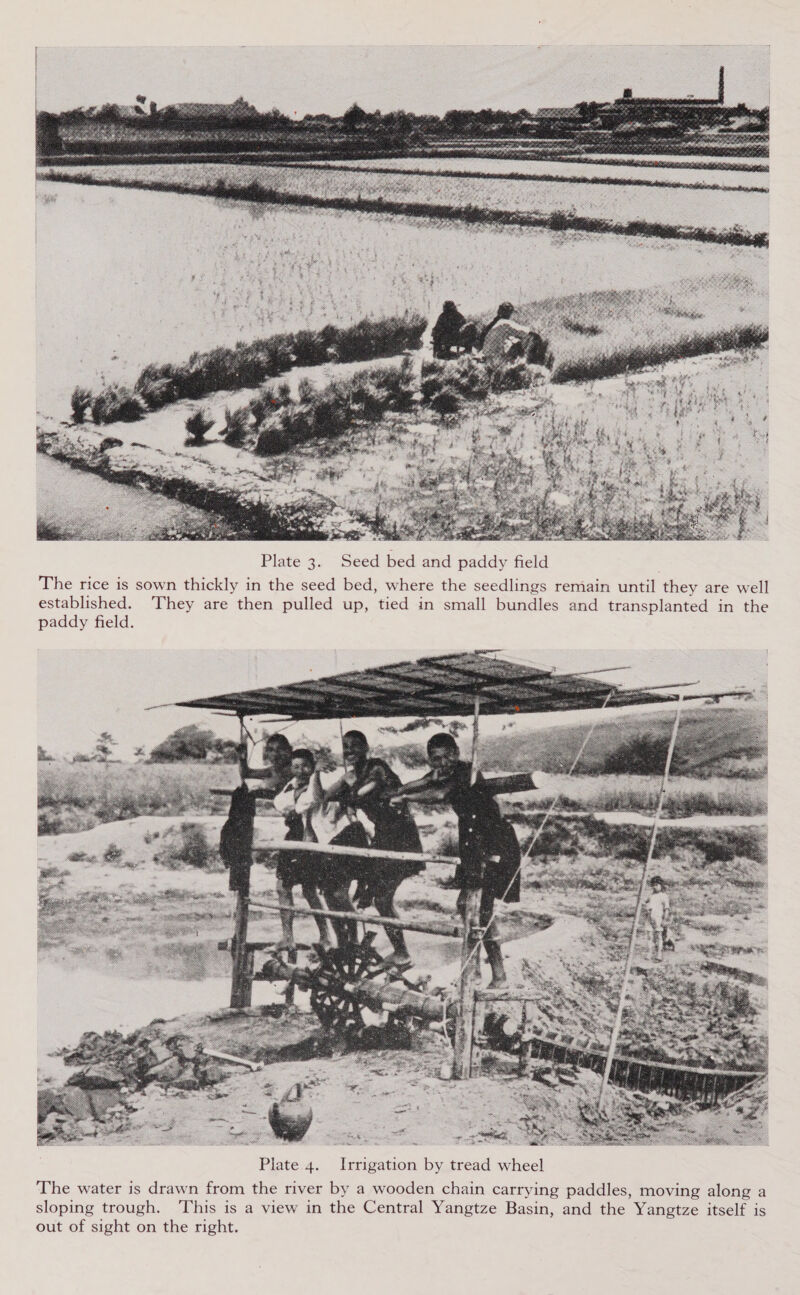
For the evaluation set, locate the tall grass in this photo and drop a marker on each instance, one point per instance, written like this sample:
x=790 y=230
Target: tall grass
x=676 y=455
x=599 y=334
x=76 y=797
x=639 y=794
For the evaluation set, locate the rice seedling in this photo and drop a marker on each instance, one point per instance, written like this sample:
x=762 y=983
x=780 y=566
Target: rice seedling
x=80 y=402
x=248 y=364
x=197 y=424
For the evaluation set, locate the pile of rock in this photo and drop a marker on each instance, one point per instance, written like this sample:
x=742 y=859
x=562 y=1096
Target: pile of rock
x=111 y=1068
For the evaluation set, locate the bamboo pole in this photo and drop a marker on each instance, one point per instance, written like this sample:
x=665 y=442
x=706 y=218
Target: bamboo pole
x=638 y=910
x=470 y=952
x=355 y=851
x=424 y=928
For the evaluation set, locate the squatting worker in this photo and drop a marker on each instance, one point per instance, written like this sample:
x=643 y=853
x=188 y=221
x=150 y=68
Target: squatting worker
x=487 y=845
x=451 y=333
x=324 y=824
x=504 y=339
x=366 y=786
x=286 y=779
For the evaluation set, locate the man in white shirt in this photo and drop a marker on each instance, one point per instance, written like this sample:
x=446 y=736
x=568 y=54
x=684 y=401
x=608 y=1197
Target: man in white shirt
x=658 y=917
x=500 y=336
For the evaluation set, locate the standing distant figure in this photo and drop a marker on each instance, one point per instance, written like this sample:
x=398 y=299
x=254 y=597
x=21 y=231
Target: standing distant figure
x=451 y=333
x=657 y=916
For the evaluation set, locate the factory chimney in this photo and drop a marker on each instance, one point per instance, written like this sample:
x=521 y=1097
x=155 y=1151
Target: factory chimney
x=721 y=93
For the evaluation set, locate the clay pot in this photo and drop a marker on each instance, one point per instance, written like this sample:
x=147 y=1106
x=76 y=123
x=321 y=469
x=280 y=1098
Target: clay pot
x=291 y=1117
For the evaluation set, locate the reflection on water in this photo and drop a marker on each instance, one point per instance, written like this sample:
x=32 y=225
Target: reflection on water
x=75 y=505
x=125 y=987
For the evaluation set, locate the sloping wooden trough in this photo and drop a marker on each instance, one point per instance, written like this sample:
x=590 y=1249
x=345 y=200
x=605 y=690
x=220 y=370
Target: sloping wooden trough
x=688 y=1083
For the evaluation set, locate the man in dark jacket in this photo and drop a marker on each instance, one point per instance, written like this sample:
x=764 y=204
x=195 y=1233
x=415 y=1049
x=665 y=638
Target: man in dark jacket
x=487 y=845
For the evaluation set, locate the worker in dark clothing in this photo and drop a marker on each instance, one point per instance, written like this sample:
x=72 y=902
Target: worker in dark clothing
x=366 y=786
x=452 y=333
x=487 y=845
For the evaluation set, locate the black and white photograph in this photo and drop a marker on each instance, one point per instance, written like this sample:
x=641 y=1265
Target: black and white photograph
x=463 y=292
x=382 y=898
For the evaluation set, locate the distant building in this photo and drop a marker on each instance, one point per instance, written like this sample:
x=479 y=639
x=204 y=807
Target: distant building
x=210 y=114
x=631 y=109
x=563 y=121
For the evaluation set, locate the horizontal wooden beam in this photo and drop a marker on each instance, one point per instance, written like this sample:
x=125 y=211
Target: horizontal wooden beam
x=424 y=928
x=354 y=851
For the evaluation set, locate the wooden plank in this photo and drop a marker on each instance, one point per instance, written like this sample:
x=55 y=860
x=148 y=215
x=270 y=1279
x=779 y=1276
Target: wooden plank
x=354 y=851
x=425 y=928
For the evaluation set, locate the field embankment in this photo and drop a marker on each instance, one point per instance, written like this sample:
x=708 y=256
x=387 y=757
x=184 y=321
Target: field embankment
x=561 y=220
x=268 y=509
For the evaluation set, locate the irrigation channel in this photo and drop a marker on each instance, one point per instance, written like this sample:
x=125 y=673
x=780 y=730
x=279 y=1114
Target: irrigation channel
x=72 y=504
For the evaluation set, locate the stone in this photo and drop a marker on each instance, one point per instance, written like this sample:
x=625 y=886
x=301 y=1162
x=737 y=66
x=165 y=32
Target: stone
x=47 y=1100
x=102 y=1075
x=187 y=1079
x=102 y=1099
x=166 y=1072
x=160 y=1052
x=76 y=1103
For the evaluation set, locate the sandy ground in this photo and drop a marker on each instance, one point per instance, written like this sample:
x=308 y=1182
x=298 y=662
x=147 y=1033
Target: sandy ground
x=125 y=938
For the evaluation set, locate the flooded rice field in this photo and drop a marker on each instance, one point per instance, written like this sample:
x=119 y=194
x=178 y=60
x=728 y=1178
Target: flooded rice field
x=664 y=172
x=126 y=277
x=705 y=208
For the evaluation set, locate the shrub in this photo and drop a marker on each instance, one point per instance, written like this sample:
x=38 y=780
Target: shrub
x=236 y=425
x=197 y=424
x=268 y=401
x=445 y=401
x=80 y=401
x=156 y=392
x=112 y=853
x=466 y=376
x=330 y=410
x=188 y=848
x=641 y=754
x=117 y=405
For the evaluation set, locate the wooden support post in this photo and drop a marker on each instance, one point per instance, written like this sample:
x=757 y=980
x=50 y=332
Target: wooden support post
x=470 y=976
x=525 y=1041
x=241 y=981
x=243 y=751
x=242 y=957
x=612 y=1047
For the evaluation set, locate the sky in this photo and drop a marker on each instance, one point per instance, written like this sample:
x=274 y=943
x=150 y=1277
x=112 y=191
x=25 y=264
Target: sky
x=420 y=78
x=83 y=693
